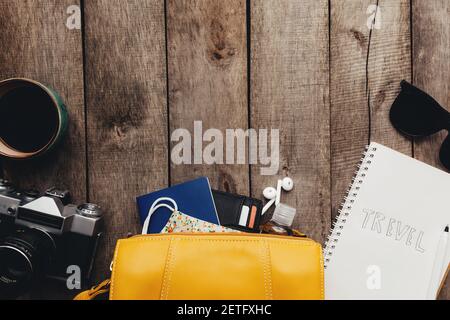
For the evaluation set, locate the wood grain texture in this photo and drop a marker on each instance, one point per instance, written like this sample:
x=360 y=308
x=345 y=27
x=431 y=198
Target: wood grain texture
x=289 y=92
x=126 y=111
x=36 y=44
x=325 y=81
x=366 y=69
x=207 y=64
x=431 y=61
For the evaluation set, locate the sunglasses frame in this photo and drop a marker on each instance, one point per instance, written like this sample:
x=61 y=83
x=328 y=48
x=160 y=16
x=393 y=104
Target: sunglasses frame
x=398 y=110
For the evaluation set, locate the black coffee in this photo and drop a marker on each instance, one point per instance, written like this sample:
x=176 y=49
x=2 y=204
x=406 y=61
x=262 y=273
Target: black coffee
x=28 y=119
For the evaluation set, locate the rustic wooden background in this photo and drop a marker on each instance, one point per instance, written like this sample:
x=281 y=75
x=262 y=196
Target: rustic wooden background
x=138 y=69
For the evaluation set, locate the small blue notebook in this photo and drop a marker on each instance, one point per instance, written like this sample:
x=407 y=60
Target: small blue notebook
x=193 y=198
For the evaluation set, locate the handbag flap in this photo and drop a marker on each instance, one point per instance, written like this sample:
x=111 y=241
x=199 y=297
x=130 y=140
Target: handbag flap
x=219 y=267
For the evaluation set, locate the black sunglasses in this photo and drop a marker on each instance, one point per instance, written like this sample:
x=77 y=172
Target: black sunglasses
x=417 y=115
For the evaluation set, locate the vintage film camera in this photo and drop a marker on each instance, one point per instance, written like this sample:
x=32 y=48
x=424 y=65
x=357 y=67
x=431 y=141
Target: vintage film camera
x=42 y=236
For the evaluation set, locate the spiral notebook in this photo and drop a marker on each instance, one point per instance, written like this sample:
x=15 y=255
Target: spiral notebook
x=384 y=244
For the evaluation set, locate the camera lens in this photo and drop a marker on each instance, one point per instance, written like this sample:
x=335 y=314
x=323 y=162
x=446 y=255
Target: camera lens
x=24 y=257
x=17 y=268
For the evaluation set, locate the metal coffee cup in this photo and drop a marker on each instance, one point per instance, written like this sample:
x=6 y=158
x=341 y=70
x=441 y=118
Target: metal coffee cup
x=33 y=118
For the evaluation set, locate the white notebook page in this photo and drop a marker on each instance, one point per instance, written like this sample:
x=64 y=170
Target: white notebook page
x=388 y=242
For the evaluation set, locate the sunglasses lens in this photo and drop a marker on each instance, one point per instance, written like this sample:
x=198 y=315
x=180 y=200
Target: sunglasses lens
x=445 y=153
x=416 y=114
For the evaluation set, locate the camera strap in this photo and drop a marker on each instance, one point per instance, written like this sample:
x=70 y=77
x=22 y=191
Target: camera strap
x=94 y=291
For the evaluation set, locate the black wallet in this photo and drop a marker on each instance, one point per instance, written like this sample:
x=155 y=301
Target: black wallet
x=238 y=212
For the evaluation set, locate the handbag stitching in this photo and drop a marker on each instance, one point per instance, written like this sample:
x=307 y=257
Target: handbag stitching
x=165 y=283
x=169 y=258
x=173 y=257
x=269 y=269
x=322 y=276
x=288 y=242
x=263 y=263
x=116 y=260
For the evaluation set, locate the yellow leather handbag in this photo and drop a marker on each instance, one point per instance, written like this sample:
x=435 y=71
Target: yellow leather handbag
x=214 y=267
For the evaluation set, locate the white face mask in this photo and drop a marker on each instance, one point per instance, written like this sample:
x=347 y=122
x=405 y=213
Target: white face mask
x=180 y=222
x=155 y=206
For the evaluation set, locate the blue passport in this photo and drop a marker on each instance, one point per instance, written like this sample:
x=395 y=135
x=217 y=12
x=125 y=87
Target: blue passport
x=193 y=198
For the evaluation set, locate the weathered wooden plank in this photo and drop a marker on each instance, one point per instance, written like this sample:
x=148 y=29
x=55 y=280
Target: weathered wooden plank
x=289 y=92
x=37 y=44
x=367 y=66
x=126 y=111
x=431 y=66
x=431 y=61
x=207 y=64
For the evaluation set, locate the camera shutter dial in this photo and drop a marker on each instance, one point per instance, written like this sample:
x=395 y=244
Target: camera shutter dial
x=6 y=186
x=89 y=210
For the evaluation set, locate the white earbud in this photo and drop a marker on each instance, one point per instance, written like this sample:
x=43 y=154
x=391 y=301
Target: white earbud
x=269 y=193
x=278 y=198
x=287 y=184
x=274 y=195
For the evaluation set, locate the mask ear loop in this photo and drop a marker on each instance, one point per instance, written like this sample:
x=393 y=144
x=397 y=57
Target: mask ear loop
x=155 y=206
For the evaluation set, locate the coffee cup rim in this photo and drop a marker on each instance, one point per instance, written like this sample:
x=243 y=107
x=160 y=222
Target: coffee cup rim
x=12 y=153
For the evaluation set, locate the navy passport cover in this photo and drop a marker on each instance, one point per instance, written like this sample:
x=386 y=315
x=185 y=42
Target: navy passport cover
x=193 y=198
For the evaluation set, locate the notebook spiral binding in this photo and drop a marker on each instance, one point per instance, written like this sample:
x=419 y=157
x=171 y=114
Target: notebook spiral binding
x=346 y=207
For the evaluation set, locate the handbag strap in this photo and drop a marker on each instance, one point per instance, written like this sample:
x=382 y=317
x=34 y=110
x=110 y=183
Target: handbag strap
x=104 y=286
x=94 y=291
x=155 y=206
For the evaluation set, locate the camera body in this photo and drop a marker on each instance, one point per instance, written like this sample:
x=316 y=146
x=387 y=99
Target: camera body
x=43 y=235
